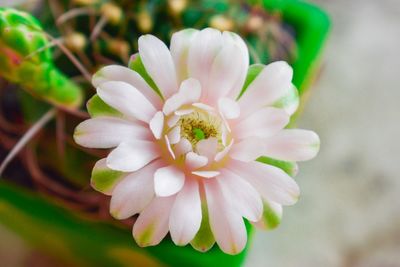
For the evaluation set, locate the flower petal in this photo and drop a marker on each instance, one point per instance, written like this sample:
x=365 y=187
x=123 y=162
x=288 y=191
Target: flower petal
x=133 y=155
x=207 y=147
x=194 y=161
x=126 y=99
x=202 y=52
x=226 y=223
x=124 y=74
x=174 y=136
x=206 y=174
x=159 y=64
x=243 y=66
x=229 y=108
x=262 y=123
x=183 y=147
x=104 y=179
x=271 y=216
x=134 y=192
x=270 y=85
x=107 y=132
x=168 y=181
x=272 y=183
x=157 y=124
x=152 y=224
x=248 y=149
x=180 y=44
x=220 y=155
x=224 y=72
x=185 y=218
x=293 y=145
x=289 y=101
x=237 y=190
x=188 y=93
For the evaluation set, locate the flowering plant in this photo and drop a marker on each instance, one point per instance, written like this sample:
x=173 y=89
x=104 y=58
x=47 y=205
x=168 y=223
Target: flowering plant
x=187 y=125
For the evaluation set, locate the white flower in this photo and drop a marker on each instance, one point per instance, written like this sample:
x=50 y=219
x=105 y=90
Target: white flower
x=185 y=160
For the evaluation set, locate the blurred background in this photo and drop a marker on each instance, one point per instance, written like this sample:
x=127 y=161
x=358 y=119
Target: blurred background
x=349 y=211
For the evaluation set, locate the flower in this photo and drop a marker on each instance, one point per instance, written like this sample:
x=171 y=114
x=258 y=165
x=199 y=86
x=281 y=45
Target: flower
x=185 y=153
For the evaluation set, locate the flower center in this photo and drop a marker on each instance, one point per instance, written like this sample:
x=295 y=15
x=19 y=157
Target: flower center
x=199 y=125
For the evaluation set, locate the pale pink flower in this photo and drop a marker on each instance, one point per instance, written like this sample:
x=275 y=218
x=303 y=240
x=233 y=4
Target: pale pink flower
x=185 y=159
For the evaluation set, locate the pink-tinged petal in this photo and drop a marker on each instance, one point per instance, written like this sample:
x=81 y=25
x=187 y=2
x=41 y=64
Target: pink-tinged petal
x=133 y=155
x=183 y=147
x=226 y=223
x=236 y=190
x=157 y=124
x=134 y=192
x=104 y=179
x=224 y=134
x=107 y=132
x=272 y=183
x=126 y=99
x=183 y=112
x=224 y=72
x=248 y=149
x=293 y=145
x=229 y=108
x=207 y=147
x=206 y=174
x=289 y=102
x=185 y=218
x=174 y=136
x=180 y=44
x=152 y=224
x=271 y=216
x=124 y=74
x=202 y=52
x=158 y=62
x=243 y=66
x=173 y=120
x=270 y=85
x=194 y=161
x=188 y=93
x=169 y=147
x=203 y=106
x=264 y=122
x=222 y=154
x=168 y=181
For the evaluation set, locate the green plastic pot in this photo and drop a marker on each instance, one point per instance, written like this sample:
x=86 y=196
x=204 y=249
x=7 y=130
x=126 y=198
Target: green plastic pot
x=78 y=241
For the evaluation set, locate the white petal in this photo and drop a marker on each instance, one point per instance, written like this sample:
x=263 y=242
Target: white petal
x=107 y=132
x=185 y=218
x=183 y=147
x=272 y=183
x=206 y=174
x=168 y=181
x=194 y=161
x=270 y=85
x=226 y=223
x=104 y=179
x=171 y=122
x=183 y=112
x=247 y=200
x=124 y=74
x=158 y=62
x=180 y=44
x=174 y=136
x=264 y=122
x=271 y=217
x=126 y=99
x=169 y=147
x=189 y=92
x=207 y=147
x=293 y=145
x=220 y=155
x=133 y=155
x=134 y=192
x=248 y=149
x=202 y=52
x=203 y=106
x=157 y=124
x=229 y=108
x=152 y=224
x=244 y=53
x=224 y=72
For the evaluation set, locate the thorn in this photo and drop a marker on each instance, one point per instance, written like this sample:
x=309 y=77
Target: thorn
x=70 y=14
x=98 y=28
x=26 y=138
